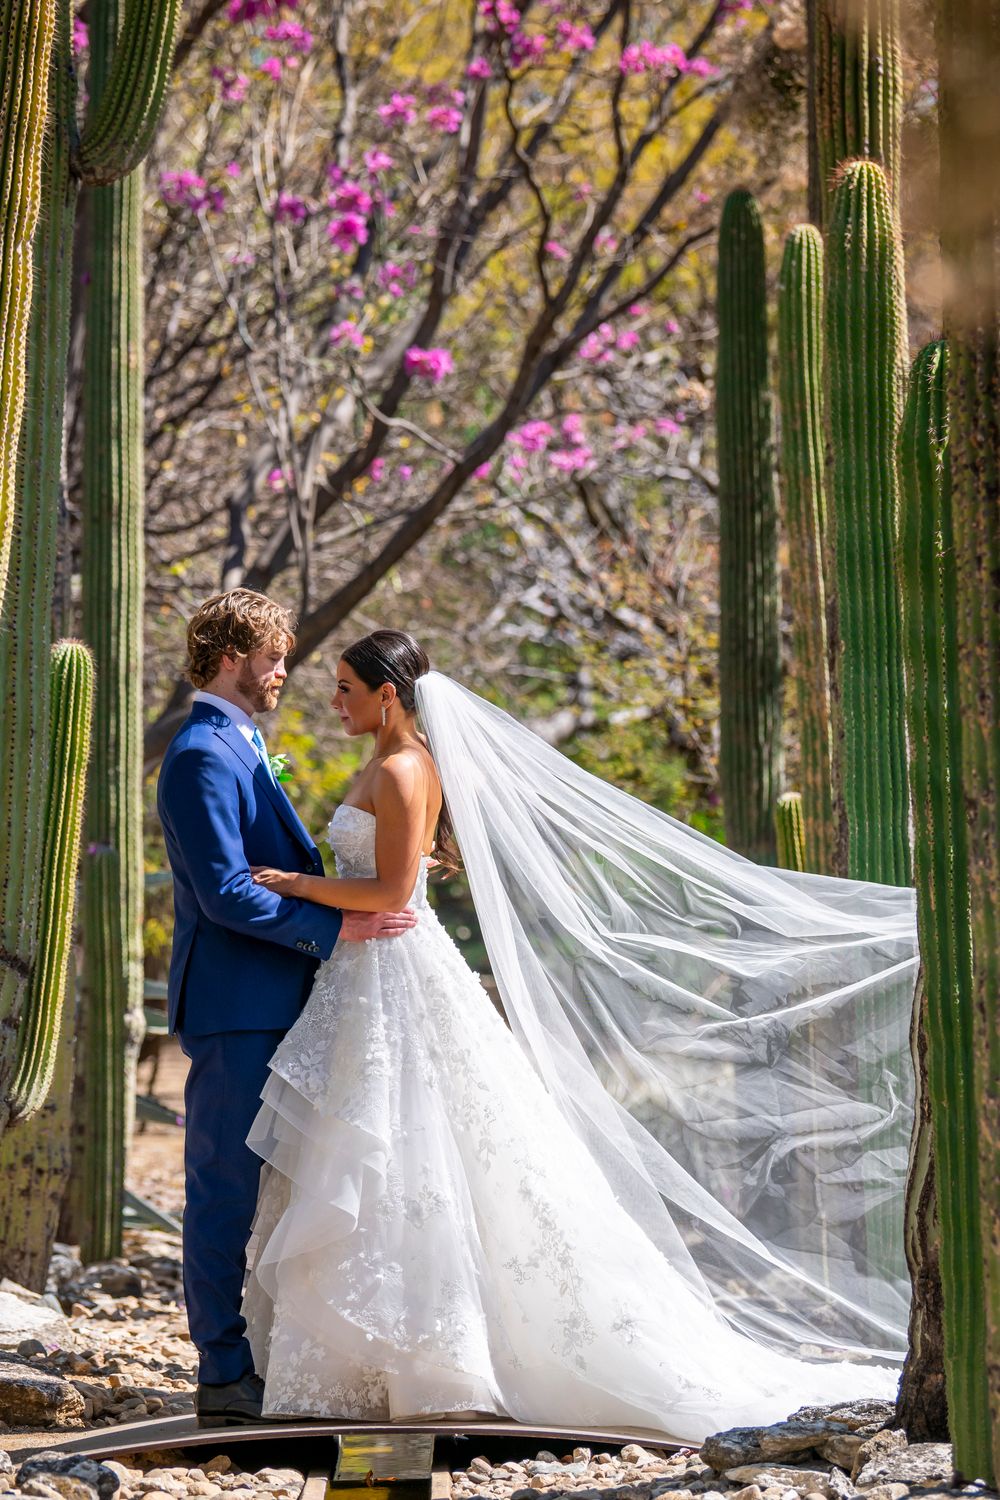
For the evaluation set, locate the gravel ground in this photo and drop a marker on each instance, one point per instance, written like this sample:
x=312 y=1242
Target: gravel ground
x=124 y=1355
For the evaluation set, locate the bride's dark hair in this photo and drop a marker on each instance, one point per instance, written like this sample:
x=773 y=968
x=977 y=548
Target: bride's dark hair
x=393 y=656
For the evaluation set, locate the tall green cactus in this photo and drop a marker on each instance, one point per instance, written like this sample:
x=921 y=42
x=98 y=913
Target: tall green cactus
x=72 y=691
x=117 y=134
x=26 y=636
x=865 y=329
x=857 y=77
x=968 y=66
x=800 y=391
x=27 y=28
x=789 y=825
x=930 y=615
x=749 y=646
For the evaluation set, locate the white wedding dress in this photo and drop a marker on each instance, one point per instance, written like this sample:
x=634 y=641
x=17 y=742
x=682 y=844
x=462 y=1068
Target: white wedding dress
x=432 y=1235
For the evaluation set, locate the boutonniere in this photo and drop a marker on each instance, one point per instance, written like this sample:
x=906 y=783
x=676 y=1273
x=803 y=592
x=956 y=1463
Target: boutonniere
x=281 y=767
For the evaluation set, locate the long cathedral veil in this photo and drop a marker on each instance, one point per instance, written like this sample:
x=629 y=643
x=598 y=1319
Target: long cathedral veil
x=731 y=1042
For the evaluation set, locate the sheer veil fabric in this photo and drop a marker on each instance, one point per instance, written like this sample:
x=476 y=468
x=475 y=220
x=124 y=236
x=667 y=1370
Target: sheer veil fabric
x=729 y=1042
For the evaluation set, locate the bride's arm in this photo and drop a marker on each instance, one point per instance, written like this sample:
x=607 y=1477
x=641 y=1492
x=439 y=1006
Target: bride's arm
x=400 y=800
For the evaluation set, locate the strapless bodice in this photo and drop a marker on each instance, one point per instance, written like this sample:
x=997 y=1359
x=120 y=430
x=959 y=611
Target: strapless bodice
x=351 y=835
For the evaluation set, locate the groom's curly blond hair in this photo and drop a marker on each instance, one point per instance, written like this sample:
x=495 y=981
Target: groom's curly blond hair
x=235 y=624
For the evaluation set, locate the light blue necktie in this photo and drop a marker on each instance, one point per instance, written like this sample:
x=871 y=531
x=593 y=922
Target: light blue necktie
x=257 y=741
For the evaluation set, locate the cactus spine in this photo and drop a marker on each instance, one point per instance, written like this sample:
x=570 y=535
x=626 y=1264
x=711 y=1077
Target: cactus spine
x=789 y=826
x=866 y=354
x=117 y=135
x=749 y=648
x=927 y=564
x=27 y=28
x=800 y=390
x=858 y=105
x=969 y=64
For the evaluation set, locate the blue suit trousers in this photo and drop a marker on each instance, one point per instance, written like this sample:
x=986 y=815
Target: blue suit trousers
x=222 y=1096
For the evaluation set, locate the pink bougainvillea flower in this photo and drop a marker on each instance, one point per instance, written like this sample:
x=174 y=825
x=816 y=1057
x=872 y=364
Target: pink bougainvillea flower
x=347 y=332
x=401 y=107
x=646 y=57
x=479 y=67
x=533 y=437
x=626 y=340
x=483 y=471
x=429 y=364
x=443 y=117
x=572 y=460
x=249 y=10
x=667 y=425
x=557 y=251
x=233 y=169
x=232 y=86
x=347 y=231
x=277 y=480
x=637 y=310
x=378 y=161
x=702 y=197
x=291 y=31
x=188 y=190
x=81 y=36
x=287 y=208
x=377 y=469
x=272 y=66
x=350 y=197
x=525 y=48
x=605 y=242
x=575 y=37
x=582 y=191
x=405 y=471
x=702 y=68
x=572 y=427
x=672 y=326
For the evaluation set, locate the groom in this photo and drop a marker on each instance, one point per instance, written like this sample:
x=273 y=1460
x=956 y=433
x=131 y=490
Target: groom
x=242 y=964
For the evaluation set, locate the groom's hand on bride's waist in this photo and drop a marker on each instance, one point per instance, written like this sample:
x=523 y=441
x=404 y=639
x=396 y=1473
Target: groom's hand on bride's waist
x=359 y=926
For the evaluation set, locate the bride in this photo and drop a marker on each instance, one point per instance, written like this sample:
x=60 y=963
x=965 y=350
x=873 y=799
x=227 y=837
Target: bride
x=662 y=1191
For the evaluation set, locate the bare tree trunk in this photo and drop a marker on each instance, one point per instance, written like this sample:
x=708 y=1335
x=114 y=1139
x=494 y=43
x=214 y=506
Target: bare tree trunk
x=922 y=1409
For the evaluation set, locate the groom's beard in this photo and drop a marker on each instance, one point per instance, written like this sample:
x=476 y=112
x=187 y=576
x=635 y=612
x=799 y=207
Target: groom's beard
x=263 y=694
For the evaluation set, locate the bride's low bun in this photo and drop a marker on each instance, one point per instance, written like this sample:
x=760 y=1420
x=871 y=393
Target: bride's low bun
x=393 y=656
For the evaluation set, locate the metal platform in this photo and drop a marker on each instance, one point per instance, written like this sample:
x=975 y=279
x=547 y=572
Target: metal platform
x=184 y=1433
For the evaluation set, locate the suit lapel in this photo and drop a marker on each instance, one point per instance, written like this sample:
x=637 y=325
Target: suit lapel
x=241 y=747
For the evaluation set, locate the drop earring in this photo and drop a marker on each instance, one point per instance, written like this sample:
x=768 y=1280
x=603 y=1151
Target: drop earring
x=383 y=715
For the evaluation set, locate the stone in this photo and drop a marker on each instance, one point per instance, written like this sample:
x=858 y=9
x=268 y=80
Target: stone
x=839 y=1483
x=879 y=1446
x=841 y=1449
x=220 y=1464
x=813 y=1495
x=634 y=1453
x=866 y=1416
x=792 y=1441
x=543 y=1456
x=52 y=1464
x=32 y=1398
x=24 y=1315
x=923 y=1464
x=771 y=1475
x=749 y=1492
x=582 y=1455
x=6 y=1465
x=887 y=1492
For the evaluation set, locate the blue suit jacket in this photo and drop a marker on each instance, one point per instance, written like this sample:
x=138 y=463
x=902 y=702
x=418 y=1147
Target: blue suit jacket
x=243 y=957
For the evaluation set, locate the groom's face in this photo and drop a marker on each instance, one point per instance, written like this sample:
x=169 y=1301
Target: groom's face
x=261 y=678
